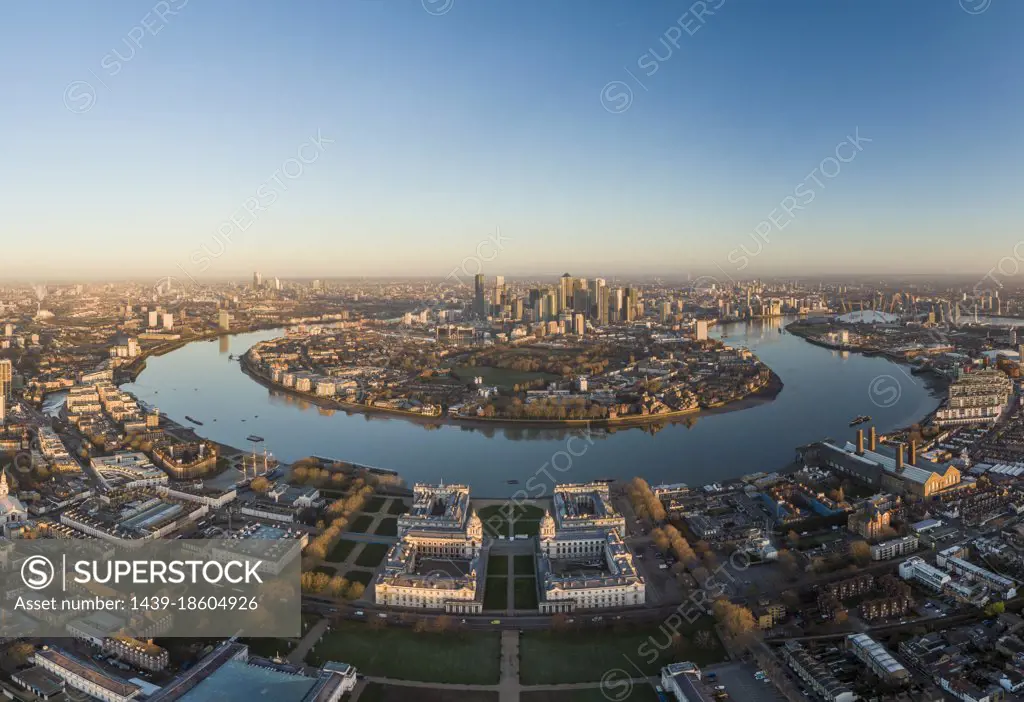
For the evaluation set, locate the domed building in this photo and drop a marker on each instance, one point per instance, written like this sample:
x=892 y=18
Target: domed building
x=11 y=510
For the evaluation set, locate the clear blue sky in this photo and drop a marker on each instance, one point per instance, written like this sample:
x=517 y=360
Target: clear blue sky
x=448 y=126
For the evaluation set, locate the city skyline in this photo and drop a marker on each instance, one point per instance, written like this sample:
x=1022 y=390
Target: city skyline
x=647 y=139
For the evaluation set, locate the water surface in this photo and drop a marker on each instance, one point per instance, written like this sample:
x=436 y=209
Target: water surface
x=823 y=390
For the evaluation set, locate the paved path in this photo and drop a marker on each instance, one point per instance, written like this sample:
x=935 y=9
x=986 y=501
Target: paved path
x=508 y=686
x=308 y=641
x=499 y=688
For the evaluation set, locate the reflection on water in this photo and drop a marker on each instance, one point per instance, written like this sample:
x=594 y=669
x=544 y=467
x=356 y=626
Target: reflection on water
x=823 y=390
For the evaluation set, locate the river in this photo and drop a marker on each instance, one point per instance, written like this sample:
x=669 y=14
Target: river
x=823 y=390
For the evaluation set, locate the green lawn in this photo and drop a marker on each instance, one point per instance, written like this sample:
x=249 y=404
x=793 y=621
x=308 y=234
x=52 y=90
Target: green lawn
x=616 y=687
x=340 y=551
x=525 y=592
x=375 y=692
x=497 y=565
x=496 y=593
x=523 y=565
x=372 y=555
x=397 y=507
x=495 y=518
x=387 y=527
x=399 y=652
x=374 y=504
x=359 y=576
x=554 y=657
x=502 y=377
x=360 y=524
x=529 y=527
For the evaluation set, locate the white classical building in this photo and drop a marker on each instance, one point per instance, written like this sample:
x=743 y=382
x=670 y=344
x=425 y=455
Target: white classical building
x=583 y=563
x=12 y=512
x=440 y=561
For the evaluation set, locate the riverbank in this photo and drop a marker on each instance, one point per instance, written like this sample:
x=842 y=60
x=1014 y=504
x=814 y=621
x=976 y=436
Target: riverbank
x=130 y=373
x=822 y=393
x=762 y=395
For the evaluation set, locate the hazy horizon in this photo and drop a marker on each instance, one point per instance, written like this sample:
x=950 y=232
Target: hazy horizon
x=599 y=138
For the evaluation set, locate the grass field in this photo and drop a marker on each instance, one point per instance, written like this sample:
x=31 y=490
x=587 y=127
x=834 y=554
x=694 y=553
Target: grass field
x=375 y=692
x=638 y=693
x=374 y=504
x=523 y=565
x=340 y=551
x=495 y=518
x=393 y=652
x=552 y=657
x=397 y=507
x=359 y=576
x=496 y=593
x=372 y=555
x=497 y=565
x=360 y=524
x=525 y=592
x=502 y=377
x=387 y=527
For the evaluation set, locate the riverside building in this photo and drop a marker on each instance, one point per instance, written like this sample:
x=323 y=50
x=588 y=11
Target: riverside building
x=583 y=562
x=440 y=560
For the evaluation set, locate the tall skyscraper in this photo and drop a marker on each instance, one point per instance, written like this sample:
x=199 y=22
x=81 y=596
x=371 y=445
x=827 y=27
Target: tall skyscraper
x=3 y=409
x=499 y=290
x=702 y=330
x=6 y=377
x=257 y=280
x=630 y=304
x=479 y=303
x=615 y=306
x=580 y=297
x=565 y=293
x=224 y=320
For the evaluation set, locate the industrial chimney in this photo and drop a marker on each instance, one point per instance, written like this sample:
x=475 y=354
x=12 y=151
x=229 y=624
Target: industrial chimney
x=860 y=442
x=913 y=452
x=899 y=458
x=872 y=439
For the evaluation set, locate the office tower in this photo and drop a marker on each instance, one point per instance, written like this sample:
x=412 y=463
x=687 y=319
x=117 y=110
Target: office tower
x=6 y=377
x=517 y=308
x=550 y=306
x=615 y=306
x=277 y=283
x=3 y=409
x=257 y=280
x=224 y=320
x=479 y=304
x=581 y=297
x=565 y=292
x=499 y=290
x=702 y=330
x=8 y=329
x=154 y=318
x=168 y=320
x=601 y=304
x=630 y=304
x=666 y=311
x=579 y=324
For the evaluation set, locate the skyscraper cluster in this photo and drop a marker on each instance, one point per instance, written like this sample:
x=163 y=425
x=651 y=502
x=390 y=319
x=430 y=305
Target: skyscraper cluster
x=573 y=300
